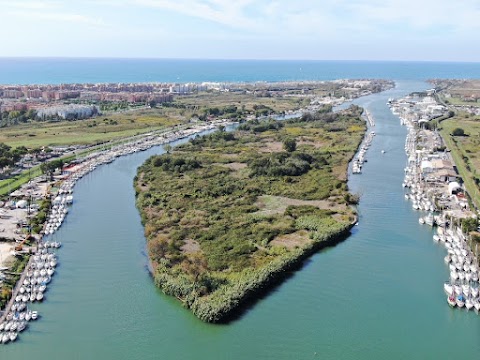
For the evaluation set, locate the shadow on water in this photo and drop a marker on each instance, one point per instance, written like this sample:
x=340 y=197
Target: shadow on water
x=278 y=279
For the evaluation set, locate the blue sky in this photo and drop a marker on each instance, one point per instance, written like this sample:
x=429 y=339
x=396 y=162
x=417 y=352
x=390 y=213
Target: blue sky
x=438 y=30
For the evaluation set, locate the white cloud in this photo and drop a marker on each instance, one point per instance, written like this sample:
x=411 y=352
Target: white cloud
x=326 y=28
x=228 y=13
x=308 y=17
x=31 y=5
x=56 y=16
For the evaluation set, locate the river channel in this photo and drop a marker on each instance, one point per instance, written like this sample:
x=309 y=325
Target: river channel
x=377 y=295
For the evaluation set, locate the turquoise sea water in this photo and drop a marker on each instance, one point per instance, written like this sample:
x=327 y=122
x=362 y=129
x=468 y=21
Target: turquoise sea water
x=71 y=70
x=377 y=295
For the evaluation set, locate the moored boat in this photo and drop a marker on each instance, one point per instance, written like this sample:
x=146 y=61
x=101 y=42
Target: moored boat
x=468 y=303
x=448 y=287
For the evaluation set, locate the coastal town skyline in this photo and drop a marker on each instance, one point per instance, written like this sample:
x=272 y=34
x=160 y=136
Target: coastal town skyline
x=217 y=29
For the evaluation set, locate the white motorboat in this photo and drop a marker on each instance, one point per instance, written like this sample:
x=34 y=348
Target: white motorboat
x=21 y=326
x=476 y=304
x=475 y=277
x=448 y=288
x=454 y=275
x=429 y=220
x=468 y=303
x=13 y=336
x=457 y=288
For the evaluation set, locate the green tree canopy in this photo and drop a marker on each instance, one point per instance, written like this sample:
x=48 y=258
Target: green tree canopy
x=290 y=144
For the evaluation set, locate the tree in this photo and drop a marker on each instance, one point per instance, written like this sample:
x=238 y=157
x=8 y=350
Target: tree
x=48 y=168
x=458 y=132
x=469 y=224
x=289 y=144
x=45 y=169
x=31 y=114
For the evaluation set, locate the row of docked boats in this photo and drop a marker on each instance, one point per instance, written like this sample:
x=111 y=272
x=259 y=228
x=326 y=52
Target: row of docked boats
x=33 y=285
x=462 y=289
x=360 y=158
x=15 y=324
x=43 y=262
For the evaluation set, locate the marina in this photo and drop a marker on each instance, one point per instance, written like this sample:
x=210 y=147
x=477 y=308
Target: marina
x=42 y=263
x=360 y=157
x=433 y=187
x=378 y=294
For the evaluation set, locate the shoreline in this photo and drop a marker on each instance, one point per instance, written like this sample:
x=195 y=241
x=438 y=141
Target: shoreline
x=53 y=223
x=140 y=143
x=228 y=302
x=444 y=200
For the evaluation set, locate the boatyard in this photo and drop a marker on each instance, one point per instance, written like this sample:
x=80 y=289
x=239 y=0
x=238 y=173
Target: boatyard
x=436 y=190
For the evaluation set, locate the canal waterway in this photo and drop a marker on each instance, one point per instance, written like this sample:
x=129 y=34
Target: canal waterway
x=377 y=295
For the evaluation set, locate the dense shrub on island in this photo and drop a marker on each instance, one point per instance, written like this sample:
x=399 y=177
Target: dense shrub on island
x=228 y=213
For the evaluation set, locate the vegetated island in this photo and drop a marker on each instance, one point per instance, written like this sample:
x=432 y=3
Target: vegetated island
x=227 y=213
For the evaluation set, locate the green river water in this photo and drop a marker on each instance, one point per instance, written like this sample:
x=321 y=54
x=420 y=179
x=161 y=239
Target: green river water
x=377 y=295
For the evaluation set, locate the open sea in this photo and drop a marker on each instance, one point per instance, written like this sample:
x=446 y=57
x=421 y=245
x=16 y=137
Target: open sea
x=377 y=295
x=85 y=70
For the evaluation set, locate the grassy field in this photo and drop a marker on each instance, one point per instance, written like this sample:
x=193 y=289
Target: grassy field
x=226 y=212
x=9 y=185
x=465 y=151
x=86 y=131
x=129 y=123
x=458 y=101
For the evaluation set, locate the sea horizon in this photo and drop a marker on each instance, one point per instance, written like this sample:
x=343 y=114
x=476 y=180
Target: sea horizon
x=58 y=70
x=236 y=59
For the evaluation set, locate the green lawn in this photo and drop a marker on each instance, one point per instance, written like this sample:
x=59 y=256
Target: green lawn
x=85 y=131
x=465 y=151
